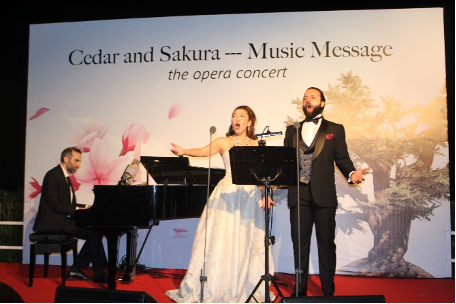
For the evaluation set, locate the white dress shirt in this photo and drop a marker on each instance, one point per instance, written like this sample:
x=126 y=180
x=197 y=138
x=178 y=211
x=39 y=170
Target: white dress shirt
x=309 y=130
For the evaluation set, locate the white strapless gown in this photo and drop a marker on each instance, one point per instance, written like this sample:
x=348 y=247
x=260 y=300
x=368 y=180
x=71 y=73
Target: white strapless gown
x=235 y=250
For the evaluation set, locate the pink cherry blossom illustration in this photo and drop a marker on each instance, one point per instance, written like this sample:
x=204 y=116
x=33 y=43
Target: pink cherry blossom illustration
x=34 y=190
x=140 y=150
x=98 y=169
x=174 y=111
x=180 y=233
x=92 y=129
x=85 y=194
x=179 y=230
x=133 y=135
x=39 y=113
x=74 y=183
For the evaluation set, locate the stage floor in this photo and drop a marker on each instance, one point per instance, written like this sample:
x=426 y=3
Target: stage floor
x=156 y=281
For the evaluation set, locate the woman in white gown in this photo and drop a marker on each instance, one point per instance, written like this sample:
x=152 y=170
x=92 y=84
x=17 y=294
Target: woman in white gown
x=231 y=229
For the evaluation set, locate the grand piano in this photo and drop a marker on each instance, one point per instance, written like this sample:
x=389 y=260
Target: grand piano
x=181 y=192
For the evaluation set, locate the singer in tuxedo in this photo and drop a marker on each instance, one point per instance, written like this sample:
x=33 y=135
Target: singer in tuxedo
x=56 y=212
x=321 y=144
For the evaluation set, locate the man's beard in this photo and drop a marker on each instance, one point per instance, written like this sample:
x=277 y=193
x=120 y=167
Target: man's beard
x=70 y=168
x=317 y=110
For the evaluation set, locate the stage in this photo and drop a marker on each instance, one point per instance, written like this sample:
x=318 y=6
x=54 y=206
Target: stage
x=156 y=281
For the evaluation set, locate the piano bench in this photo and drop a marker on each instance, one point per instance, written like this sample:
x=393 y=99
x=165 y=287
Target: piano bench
x=47 y=243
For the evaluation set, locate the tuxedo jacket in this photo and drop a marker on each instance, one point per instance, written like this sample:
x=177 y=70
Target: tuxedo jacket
x=330 y=149
x=55 y=212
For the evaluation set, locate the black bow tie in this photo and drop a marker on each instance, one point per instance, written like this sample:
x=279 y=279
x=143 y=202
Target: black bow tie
x=314 y=120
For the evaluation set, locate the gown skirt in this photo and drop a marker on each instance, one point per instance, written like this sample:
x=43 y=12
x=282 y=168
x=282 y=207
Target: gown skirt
x=228 y=247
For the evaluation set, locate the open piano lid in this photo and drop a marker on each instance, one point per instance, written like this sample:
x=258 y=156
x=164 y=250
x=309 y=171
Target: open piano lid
x=177 y=170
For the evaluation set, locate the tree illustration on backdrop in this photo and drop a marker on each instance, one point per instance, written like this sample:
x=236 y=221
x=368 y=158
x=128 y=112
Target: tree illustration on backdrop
x=399 y=145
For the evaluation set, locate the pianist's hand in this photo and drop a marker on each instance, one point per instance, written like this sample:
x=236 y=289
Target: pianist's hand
x=83 y=207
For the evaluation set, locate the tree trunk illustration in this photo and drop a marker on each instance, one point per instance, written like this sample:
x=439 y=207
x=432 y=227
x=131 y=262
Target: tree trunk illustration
x=390 y=225
x=399 y=145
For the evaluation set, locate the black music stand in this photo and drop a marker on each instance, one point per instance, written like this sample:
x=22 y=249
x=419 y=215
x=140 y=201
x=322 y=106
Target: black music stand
x=264 y=166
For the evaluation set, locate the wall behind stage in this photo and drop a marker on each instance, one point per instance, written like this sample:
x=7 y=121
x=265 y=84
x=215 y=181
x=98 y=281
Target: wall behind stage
x=120 y=89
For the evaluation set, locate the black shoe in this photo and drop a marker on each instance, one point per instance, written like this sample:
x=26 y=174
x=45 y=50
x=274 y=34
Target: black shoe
x=77 y=275
x=101 y=278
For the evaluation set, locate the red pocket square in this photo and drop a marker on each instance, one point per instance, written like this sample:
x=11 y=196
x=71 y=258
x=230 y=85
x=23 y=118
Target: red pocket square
x=330 y=136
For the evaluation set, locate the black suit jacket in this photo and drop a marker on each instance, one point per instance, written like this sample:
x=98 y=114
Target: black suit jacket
x=330 y=149
x=55 y=211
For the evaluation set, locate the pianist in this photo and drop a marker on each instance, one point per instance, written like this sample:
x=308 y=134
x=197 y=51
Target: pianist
x=56 y=212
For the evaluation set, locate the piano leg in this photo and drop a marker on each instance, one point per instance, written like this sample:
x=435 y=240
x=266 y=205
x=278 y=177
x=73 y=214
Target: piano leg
x=112 y=236
x=130 y=262
x=113 y=240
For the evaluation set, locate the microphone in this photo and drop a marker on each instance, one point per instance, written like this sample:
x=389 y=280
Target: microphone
x=296 y=124
x=262 y=142
x=212 y=130
x=267 y=134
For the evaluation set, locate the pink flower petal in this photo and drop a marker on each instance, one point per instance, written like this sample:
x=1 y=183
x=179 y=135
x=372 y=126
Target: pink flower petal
x=36 y=186
x=98 y=169
x=174 y=111
x=179 y=236
x=132 y=136
x=92 y=129
x=178 y=230
x=39 y=113
x=74 y=183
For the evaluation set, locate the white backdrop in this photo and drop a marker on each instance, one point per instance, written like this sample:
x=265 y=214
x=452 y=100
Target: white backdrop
x=155 y=81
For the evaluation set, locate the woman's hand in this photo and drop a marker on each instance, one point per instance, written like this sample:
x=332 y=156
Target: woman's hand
x=177 y=150
x=270 y=202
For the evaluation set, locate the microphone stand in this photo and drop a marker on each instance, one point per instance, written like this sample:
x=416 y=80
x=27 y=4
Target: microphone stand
x=299 y=269
x=203 y=277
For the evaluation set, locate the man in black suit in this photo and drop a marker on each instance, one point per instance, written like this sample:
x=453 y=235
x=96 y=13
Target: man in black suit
x=56 y=214
x=321 y=143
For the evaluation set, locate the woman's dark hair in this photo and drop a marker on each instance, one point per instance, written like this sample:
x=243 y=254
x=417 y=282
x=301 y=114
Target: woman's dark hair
x=252 y=117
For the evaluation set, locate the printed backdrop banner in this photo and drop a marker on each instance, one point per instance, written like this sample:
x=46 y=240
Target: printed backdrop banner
x=121 y=89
